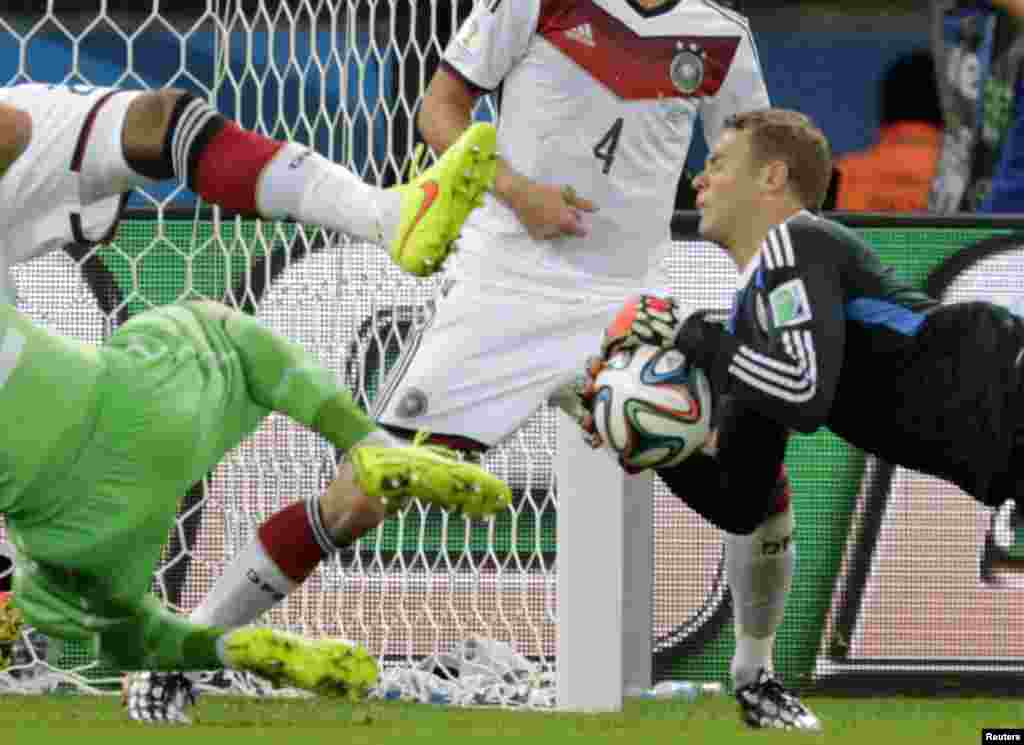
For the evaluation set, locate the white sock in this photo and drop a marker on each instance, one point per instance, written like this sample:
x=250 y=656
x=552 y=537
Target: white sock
x=251 y=585
x=302 y=184
x=760 y=572
x=221 y=655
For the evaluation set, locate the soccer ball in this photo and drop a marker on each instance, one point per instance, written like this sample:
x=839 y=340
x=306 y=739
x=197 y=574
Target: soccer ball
x=652 y=407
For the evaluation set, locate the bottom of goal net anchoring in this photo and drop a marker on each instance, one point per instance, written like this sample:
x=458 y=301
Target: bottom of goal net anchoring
x=475 y=672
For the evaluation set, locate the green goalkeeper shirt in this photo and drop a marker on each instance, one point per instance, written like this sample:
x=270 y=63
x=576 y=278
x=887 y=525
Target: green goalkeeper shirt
x=48 y=401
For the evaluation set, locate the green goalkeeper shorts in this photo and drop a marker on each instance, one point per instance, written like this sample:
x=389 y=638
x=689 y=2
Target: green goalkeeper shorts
x=172 y=401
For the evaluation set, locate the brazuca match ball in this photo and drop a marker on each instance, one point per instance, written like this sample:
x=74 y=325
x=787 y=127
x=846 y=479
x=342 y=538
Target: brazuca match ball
x=652 y=407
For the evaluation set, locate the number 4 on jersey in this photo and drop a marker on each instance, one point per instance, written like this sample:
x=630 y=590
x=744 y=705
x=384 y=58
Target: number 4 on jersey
x=605 y=148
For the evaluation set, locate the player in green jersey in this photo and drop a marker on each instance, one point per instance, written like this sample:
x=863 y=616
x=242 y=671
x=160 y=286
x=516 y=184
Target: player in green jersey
x=99 y=442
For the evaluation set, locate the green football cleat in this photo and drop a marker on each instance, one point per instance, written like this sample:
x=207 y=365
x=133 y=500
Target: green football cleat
x=431 y=473
x=329 y=667
x=436 y=203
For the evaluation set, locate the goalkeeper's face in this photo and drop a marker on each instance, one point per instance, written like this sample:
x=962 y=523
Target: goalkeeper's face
x=727 y=188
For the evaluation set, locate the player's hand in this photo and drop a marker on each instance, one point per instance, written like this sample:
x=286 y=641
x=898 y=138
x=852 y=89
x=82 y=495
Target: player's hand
x=592 y=368
x=591 y=436
x=643 y=320
x=551 y=211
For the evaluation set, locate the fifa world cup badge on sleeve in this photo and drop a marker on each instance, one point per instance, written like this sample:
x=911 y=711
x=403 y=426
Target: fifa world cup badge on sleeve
x=789 y=303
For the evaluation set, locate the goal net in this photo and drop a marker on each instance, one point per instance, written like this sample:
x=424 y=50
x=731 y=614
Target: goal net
x=344 y=76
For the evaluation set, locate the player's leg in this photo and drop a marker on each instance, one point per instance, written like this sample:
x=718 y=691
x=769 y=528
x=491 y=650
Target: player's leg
x=293 y=542
x=169 y=133
x=759 y=558
x=760 y=568
x=289 y=546
x=89 y=557
x=137 y=632
x=745 y=491
x=281 y=376
x=381 y=473
x=170 y=392
x=464 y=341
x=159 y=640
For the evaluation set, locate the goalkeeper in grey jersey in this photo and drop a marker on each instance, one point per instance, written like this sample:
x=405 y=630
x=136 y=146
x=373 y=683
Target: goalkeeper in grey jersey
x=821 y=334
x=99 y=442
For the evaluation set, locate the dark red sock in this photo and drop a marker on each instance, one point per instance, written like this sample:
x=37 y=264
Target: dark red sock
x=230 y=165
x=288 y=538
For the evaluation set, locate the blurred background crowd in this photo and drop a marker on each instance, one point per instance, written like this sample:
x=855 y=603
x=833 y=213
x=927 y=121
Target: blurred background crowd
x=883 y=80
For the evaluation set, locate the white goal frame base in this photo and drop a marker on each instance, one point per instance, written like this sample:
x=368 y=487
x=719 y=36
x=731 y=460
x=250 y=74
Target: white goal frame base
x=605 y=576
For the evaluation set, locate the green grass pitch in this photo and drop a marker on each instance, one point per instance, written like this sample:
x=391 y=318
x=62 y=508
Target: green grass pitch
x=221 y=720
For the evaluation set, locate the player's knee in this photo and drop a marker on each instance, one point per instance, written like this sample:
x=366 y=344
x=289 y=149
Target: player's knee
x=772 y=512
x=771 y=508
x=775 y=533
x=145 y=130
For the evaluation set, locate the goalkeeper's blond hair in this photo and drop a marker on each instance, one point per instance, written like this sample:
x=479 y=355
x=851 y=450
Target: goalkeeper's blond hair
x=789 y=136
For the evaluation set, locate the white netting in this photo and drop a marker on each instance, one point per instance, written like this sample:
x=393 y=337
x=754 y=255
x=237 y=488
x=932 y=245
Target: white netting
x=344 y=76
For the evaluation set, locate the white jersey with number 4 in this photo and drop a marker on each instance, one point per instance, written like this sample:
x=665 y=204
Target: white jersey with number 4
x=602 y=96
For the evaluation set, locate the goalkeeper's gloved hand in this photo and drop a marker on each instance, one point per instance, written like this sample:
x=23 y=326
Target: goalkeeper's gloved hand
x=646 y=319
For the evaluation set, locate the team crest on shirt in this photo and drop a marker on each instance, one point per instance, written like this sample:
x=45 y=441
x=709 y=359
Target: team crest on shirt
x=789 y=304
x=687 y=70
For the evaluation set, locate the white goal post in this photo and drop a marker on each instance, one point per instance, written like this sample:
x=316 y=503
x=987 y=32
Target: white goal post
x=605 y=576
x=589 y=573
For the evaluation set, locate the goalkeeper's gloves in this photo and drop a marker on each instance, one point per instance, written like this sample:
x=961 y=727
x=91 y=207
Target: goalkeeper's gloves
x=646 y=319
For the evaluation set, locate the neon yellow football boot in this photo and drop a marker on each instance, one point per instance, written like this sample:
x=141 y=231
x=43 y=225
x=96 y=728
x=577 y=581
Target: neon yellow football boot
x=436 y=202
x=329 y=667
x=431 y=473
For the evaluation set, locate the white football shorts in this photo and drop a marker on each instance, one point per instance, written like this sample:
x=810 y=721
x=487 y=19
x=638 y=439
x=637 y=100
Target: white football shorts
x=490 y=357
